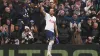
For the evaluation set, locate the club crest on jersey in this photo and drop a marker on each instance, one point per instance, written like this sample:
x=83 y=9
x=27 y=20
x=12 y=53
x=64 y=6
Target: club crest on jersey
x=51 y=21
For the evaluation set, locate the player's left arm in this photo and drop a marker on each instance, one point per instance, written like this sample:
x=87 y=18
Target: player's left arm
x=56 y=30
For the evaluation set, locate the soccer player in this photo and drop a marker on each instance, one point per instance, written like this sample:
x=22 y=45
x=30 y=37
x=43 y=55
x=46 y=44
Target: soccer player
x=50 y=28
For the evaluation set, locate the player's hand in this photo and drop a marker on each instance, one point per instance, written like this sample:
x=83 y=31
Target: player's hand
x=42 y=8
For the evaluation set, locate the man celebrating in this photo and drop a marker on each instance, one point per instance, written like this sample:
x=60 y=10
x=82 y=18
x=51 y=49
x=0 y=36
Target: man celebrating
x=50 y=27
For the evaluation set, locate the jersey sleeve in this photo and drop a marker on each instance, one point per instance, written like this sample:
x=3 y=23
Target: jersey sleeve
x=46 y=16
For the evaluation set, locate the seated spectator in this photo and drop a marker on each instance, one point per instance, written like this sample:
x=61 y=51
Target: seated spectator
x=67 y=9
x=1 y=37
x=10 y=27
x=3 y=4
x=13 y=14
x=64 y=33
x=95 y=33
x=77 y=9
x=6 y=15
x=5 y=33
x=61 y=18
x=17 y=5
x=72 y=21
x=61 y=13
x=34 y=30
x=86 y=29
x=88 y=6
x=94 y=38
x=27 y=36
x=75 y=21
x=25 y=14
x=16 y=35
x=10 y=31
x=76 y=37
x=83 y=4
x=33 y=27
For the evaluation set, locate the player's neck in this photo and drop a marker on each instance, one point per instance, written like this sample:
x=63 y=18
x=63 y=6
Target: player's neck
x=51 y=15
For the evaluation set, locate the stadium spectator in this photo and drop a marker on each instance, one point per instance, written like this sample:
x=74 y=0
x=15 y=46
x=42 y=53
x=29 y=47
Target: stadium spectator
x=17 y=5
x=1 y=37
x=6 y=15
x=81 y=16
x=94 y=38
x=25 y=14
x=86 y=28
x=5 y=33
x=13 y=13
x=75 y=26
x=34 y=30
x=88 y=6
x=16 y=34
x=65 y=34
x=27 y=36
x=3 y=4
x=63 y=28
x=75 y=22
x=95 y=33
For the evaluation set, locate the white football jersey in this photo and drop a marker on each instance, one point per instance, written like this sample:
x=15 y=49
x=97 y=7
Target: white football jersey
x=50 y=20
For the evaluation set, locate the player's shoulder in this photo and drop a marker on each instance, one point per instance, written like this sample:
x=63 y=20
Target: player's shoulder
x=54 y=17
x=47 y=14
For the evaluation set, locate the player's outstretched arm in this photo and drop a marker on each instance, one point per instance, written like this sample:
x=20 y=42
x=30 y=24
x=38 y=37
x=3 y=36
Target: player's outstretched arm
x=42 y=10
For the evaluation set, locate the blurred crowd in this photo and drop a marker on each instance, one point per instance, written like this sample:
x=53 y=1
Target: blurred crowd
x=78 y=21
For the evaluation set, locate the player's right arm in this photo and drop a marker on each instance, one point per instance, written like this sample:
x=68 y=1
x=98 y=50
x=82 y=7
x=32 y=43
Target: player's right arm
x=42 y=10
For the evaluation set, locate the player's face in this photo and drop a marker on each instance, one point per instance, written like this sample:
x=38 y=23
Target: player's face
x=51 y=11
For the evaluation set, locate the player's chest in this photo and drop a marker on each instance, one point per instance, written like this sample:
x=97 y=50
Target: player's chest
x=51 y=20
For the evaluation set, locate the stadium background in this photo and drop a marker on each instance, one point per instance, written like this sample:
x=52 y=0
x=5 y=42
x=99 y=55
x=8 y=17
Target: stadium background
x=15 y=50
